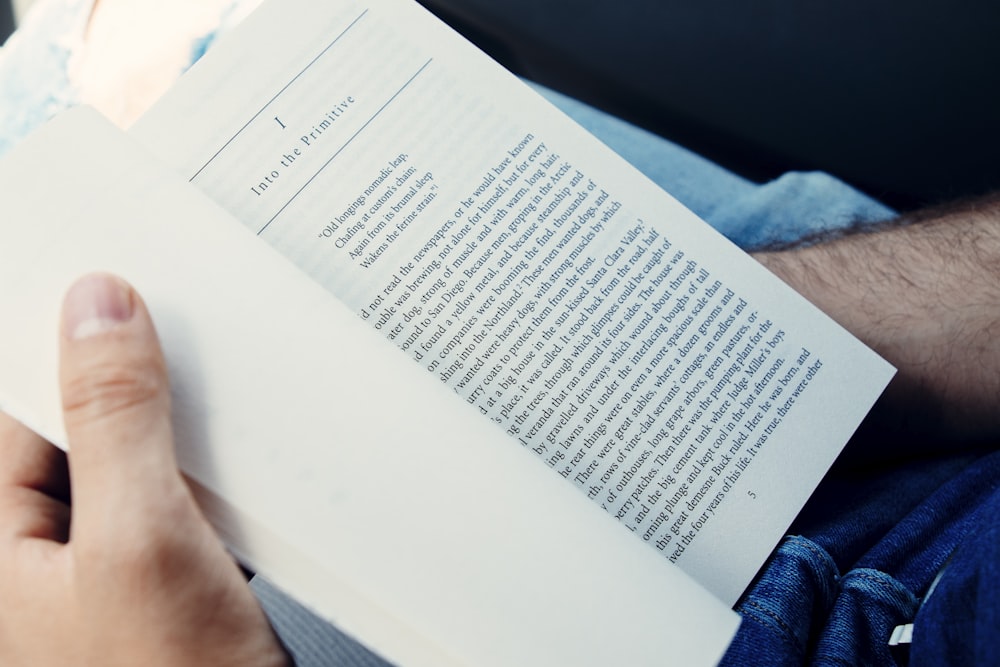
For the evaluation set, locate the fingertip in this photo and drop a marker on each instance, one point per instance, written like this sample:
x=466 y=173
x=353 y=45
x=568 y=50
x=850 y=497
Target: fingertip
x=111 y=359
x=95 y=304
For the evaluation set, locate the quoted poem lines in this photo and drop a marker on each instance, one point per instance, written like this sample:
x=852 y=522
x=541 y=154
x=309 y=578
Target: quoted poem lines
x=378 y=216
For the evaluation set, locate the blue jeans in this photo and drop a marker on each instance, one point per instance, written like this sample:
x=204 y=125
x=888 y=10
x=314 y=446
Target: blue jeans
x=864 y=552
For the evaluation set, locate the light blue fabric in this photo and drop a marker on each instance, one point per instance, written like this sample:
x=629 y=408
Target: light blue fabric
x=794 y=206
x=35 y=63
x=34 y=85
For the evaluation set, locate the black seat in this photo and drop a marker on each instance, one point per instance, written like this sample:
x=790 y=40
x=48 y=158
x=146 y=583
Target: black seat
x=898 y=97
x=6 y=20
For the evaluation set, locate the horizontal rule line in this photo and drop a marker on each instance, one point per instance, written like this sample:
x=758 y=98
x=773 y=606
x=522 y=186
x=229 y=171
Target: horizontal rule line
x=346 y=144
x=278 y=94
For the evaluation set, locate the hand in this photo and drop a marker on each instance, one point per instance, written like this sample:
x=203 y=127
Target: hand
x=131 y=573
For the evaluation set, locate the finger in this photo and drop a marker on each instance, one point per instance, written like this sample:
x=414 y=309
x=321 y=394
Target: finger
x=34 y=485
x=116 y=407
x=29 y=461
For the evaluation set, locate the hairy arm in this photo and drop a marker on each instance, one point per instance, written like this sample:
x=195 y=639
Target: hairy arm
x=924 y=292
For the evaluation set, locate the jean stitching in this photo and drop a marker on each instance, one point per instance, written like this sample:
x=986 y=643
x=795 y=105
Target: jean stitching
x=820 y=553
x=825 y=557
x=767 y=617
x=882 y=579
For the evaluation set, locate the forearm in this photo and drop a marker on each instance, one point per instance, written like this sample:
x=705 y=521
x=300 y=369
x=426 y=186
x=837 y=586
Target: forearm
x=925 y=294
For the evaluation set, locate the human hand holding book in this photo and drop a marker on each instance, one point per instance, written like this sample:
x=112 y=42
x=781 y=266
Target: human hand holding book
x=138 y=576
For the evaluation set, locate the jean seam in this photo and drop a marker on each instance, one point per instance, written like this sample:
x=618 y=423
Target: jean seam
x=823 y=555
x=882 y=579
x=765 y=616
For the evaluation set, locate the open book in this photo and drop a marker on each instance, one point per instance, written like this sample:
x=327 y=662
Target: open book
x=429 y=340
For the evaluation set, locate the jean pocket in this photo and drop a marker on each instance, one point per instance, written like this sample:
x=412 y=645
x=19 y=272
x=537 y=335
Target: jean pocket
x=803 y=611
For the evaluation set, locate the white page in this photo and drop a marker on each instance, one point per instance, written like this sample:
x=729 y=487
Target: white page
x=330 y=461
x=642 y=356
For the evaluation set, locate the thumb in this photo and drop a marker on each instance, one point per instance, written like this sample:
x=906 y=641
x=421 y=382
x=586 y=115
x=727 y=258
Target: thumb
x=116 y=404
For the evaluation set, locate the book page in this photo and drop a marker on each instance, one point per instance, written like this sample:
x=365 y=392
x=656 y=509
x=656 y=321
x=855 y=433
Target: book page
x=326 y=459
x=638 y=354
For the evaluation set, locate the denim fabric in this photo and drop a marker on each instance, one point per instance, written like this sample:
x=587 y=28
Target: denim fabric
x=36 y=63
x=794 y=206
x=959 y=622
x=34 y=80
x=865 y=549
x=803 y=611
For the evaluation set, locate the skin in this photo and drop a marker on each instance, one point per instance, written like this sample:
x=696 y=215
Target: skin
x=922 y=291
x=121 y=71
x=107 y=560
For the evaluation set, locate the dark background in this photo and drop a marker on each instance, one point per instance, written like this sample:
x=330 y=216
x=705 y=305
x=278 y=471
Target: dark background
x=6 y=19
x=898 y=98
